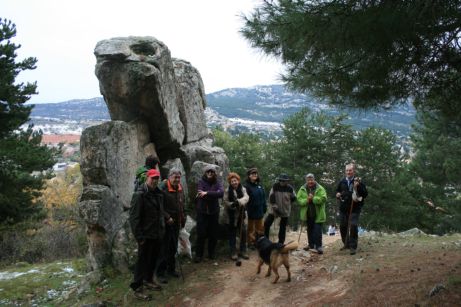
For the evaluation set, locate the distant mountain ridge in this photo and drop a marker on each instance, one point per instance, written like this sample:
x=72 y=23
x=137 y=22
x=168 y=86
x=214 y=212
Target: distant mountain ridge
x=255 y=108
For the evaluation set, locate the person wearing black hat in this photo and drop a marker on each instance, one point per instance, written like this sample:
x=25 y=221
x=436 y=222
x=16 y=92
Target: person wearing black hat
x=256 y=206
x=281 y=196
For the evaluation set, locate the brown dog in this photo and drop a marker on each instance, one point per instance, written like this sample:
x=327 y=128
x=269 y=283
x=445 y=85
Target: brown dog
x=274 y=255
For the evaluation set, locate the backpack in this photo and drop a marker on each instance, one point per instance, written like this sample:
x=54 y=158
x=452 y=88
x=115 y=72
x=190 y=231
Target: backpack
x=141 y=176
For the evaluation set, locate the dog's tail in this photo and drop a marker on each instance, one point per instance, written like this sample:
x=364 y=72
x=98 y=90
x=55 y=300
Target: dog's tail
x=289 y=246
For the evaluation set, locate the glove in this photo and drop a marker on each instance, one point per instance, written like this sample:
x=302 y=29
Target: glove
x=235 y=204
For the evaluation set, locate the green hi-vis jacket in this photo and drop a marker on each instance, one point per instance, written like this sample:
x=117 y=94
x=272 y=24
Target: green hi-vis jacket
x=319 y=200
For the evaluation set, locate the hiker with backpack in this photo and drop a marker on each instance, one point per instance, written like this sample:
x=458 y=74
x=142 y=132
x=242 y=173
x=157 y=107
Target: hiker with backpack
x=281 y=196
x=147 y=221
x=351 y=193
x=209 y=191
x=312 y=198
x=234 y=201
x=152 y=162
x=174 y=208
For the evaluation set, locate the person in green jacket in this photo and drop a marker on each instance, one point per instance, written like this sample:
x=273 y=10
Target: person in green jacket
x=312 y=198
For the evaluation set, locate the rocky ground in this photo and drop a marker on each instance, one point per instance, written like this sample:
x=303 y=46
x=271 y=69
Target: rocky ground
x=388 y=270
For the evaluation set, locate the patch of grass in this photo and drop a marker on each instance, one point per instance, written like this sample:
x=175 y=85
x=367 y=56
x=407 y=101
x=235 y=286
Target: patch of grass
x=38 y=284
x=454 y=280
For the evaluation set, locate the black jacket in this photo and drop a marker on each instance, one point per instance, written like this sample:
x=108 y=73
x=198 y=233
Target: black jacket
x=147 y=219
x=346 y=196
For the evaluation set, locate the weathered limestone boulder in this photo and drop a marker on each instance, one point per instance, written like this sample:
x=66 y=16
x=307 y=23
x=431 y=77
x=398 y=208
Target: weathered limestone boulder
x=204 y=151
x=103 y=213
x=152 y=99
x=193 y=103
x=137 y=79
x=111 y=153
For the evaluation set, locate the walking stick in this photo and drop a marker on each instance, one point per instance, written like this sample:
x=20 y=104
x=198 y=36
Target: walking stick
x=348 y=235
x=300 y=232
x=180 y=266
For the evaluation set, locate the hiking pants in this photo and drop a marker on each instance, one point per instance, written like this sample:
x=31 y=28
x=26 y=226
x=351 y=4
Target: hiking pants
x=354 y=237
x=282 y=229
x=148 y=253
x=207 y=227
x=167 y=260
x=314 y=234
x=254 y=227
x=234 y=231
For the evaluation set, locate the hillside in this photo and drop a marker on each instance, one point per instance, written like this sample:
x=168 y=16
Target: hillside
x=260 y=108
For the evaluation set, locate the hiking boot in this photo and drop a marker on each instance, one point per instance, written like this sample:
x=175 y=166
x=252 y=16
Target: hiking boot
x=244 y=255
x=313 y=250
x=353 y=251
x=307 y=248
x=140 y=295
x=320 y=250
x=198 y=259
x=344 y=248
x=174 y=274
x=152 y=286
x=234 y=257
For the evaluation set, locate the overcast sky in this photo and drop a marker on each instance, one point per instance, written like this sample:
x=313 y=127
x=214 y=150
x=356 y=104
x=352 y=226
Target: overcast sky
x=62 y=35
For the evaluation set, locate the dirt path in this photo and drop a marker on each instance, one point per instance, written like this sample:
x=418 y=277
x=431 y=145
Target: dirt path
x=388 y=270
x=241 y=286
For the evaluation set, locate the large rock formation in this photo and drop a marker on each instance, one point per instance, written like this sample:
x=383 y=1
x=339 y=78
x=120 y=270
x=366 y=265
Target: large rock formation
x=156 y=104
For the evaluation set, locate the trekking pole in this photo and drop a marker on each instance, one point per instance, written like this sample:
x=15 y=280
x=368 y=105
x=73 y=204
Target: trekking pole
x=300 y=232
x=180 y=266
x=349 y=220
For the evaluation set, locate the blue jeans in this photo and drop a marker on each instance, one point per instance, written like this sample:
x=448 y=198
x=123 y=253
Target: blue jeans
x=314 y=234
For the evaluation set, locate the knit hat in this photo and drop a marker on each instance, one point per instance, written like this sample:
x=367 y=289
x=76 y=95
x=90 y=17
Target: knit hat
x=310 y=175
x=252 y=170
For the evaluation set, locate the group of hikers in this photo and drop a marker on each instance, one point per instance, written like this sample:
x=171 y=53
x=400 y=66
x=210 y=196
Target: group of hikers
x=157 y=214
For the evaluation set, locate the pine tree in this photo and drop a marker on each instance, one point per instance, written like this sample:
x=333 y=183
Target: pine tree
x=365 y=53
x=21 y=153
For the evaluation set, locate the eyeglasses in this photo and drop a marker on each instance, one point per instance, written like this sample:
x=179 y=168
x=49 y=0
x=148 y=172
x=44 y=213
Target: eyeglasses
x=253 y=174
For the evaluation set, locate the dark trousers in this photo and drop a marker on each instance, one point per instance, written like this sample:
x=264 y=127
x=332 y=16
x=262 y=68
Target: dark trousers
x=167 y=260
x=354 y=230
x=282 y=229
x=148 y=253
x=236 y=230
x=207 y=227
x=314 y=234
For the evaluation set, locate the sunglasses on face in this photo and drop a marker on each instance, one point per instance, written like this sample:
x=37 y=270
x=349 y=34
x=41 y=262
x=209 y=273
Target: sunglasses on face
x=253 y=174
x=210 y=172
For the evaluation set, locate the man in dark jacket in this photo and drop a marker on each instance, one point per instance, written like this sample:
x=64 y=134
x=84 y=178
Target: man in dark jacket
x=209 y=191
x=281 y=196
x=351 y=193
x=174 y=208
x=256 y=206
x=147 y=222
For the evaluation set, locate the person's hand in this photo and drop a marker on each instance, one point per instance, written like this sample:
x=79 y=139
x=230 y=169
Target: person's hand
x=170 y=221
x=338 y=195
x=201 y=194
x=235 y=204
